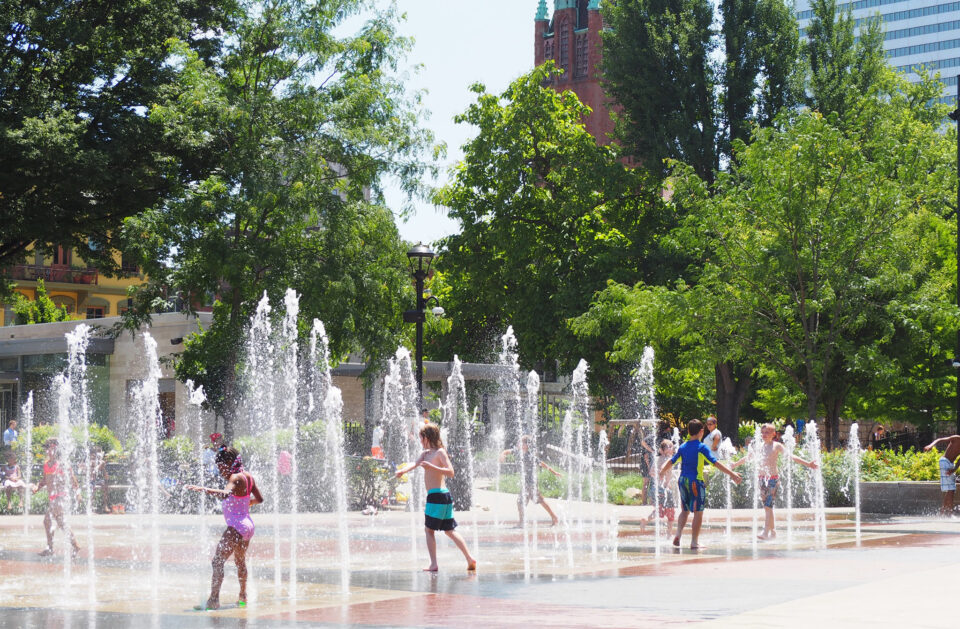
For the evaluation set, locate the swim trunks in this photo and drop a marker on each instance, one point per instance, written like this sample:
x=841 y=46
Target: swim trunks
x=768 y=490
x=691 y=493
x=948 y=478
x=438 y=513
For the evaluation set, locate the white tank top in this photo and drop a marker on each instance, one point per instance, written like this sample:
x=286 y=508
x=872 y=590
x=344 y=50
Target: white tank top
x=709 y=441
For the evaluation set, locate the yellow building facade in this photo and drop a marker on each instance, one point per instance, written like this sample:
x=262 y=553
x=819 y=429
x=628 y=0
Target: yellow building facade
x=82 y=289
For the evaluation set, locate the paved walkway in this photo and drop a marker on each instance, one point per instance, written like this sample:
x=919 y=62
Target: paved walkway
x=901 y=574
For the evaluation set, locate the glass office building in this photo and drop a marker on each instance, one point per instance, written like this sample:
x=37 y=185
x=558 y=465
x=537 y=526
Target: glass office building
x=916 y=33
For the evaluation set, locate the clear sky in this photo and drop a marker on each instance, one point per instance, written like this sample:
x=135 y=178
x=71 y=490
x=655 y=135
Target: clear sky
x=459 y=42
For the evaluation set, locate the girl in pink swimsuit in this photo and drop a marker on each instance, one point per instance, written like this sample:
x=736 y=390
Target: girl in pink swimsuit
x=238 y=496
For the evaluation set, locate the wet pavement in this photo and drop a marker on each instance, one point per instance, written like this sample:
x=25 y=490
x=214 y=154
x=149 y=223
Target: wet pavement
x=900 y=574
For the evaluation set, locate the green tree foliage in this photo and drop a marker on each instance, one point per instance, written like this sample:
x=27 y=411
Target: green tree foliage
x=78 y=152
x=677 y=101
x=547 y=217
x=39 y=310
x=807 y=228
x=843 y=65
x=305 y=121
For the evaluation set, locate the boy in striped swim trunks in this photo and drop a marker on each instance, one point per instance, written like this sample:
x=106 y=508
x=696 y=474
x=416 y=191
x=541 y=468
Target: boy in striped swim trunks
x=438 y=514
x=768 y=475
x=692 y=455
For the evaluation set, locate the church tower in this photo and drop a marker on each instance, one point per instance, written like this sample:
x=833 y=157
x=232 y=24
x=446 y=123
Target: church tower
x=572 y=39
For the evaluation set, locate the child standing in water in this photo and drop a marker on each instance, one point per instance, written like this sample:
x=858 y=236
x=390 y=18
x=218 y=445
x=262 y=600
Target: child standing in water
x=438 y=514
x=692 y=455
x=665 y=499
x=769 y=475
x=238 y=496
x=59 y=481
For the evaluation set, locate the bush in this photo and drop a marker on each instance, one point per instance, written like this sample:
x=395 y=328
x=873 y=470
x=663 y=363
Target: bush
x=370 y=480
x=618 y=484
x=99 y=436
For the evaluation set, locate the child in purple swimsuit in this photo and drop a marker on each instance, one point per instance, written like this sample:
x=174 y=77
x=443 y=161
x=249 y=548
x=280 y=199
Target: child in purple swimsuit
x=238 y=496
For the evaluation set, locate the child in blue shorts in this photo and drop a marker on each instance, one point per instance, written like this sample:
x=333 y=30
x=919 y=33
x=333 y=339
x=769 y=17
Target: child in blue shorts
x=692 y=455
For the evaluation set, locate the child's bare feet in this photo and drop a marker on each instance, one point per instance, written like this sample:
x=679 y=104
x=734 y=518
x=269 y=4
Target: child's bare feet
x=432 y=568
x=697 y=547
x=47 y=552
x=555 y=521
x=213 y=603
x=471 y=565
x=676 y=542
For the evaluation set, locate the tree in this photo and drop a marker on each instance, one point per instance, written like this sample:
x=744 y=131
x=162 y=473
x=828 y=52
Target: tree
x=547 y=217
x=305 y=123
x=804 y=226
x=78 y=152
x=676 y=101
x=41 y=309
x=843 y=64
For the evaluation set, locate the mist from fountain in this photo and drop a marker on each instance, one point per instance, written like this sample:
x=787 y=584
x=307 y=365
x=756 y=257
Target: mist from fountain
x=26 y=418
x=528 y=429
x=647 y=412
x=194 y=423
x=815 y=490
x=790 y=445
x=755 y=458
x=147 y=420
x=854 y=453
x=399 y=419
x=334 y=459
x=727 y=450
x=288 y=385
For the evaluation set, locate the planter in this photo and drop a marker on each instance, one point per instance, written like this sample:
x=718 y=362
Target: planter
x=901 y=497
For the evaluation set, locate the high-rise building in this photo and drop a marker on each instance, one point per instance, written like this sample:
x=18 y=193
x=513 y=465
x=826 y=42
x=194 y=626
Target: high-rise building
x=571 y=37
x=916 y=33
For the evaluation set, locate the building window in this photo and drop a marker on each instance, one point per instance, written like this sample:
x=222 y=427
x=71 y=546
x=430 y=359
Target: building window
x=582 y=65
x=95 y=312
x=565 y=48
x=128 y=265
x=61 y=256
x=548 y=49
x=582 y=13
x=66 y=301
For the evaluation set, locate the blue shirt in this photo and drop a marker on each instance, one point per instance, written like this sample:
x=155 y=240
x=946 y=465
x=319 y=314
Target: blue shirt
x=692 y=454
x=9 y=436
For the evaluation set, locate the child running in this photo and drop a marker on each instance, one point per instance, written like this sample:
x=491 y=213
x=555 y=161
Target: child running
x=239 y=495
x=692 y=455
x=59 y=481
x=438 y=514
x=948 y=469
x=769 y=475
x=531 y=486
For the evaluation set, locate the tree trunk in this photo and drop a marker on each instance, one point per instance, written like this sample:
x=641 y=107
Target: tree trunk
x=733 y=384
x=832 y=407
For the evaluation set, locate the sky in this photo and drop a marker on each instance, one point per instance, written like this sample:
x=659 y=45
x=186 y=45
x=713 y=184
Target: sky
x=457 y=43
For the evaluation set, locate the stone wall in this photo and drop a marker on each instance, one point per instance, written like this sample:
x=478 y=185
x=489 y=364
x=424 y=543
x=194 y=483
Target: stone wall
x=901 y=498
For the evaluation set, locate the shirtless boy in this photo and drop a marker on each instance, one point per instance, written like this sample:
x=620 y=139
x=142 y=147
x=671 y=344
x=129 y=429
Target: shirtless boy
x=948 y=467
x=438 y=514
x=769 y=475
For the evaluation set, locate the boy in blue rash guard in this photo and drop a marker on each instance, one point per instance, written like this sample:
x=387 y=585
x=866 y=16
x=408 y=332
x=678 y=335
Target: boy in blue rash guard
x=692 y=455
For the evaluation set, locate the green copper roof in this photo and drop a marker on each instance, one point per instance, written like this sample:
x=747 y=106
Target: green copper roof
x=594 y=5
x=542 y=11
x=564 y=4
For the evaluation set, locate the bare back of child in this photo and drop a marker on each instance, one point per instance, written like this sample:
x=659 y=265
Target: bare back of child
x=438 y=513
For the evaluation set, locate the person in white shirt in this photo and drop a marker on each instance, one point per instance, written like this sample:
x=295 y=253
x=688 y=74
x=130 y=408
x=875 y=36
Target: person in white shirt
x=713 y=439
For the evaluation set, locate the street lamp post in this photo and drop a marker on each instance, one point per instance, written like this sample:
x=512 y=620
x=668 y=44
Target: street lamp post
x=955 y=116
x=420 y=257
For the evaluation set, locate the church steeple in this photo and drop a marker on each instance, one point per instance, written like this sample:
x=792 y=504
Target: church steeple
x=542 y=12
